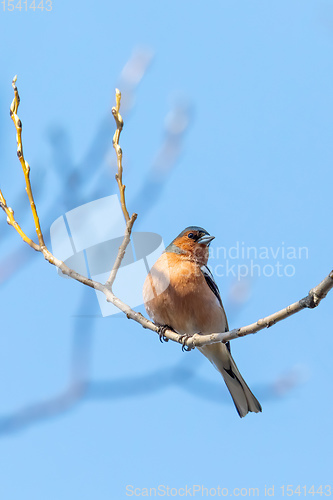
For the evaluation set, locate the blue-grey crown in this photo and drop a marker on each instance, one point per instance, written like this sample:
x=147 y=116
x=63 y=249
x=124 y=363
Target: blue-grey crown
x=194 y=228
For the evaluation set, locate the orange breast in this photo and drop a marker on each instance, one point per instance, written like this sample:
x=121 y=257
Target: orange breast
x=176 y=294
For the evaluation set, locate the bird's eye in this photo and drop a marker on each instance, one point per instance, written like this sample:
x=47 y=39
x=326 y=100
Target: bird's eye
x=190 y=235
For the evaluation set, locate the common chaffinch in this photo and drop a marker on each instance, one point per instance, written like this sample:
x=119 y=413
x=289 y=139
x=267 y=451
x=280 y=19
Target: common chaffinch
x=180 y=292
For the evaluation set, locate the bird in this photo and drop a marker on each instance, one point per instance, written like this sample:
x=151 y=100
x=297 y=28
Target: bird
x=180 y=293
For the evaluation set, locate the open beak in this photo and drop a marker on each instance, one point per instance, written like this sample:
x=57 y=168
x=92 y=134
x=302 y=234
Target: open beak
x=205 y=240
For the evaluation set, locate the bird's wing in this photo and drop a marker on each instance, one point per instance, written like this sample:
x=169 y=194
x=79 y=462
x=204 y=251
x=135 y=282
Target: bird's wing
x=215 y=289
x=211 y=283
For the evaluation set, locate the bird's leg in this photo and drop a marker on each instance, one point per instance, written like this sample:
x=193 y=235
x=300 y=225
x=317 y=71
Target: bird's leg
x=182 y=340
x=161 y=332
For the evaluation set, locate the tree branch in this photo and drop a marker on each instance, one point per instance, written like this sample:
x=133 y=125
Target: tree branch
x=119 y=178
x=25 y=165
x=119 y=153
x=12 y=222
x=311 y=301
x=121 y=251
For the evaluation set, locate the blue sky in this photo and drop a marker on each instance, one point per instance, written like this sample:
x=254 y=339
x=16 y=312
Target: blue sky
x=253 y=165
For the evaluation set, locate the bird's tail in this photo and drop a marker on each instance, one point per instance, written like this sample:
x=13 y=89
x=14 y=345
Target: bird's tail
x=220 y=356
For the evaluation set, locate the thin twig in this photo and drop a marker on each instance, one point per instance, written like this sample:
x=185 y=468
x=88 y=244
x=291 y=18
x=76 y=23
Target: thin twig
x=25 y=165
x=121 y=251
x=119 y=153
x=12 y=222
x=119 y=178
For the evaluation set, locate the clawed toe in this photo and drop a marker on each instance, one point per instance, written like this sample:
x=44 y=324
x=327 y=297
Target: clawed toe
x=161 y=333
x=182 y=340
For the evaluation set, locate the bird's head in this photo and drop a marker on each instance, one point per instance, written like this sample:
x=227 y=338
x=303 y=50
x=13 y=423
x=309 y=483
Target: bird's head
x=192 y=242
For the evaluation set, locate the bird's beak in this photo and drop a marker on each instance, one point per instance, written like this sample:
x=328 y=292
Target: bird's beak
x=205 y=240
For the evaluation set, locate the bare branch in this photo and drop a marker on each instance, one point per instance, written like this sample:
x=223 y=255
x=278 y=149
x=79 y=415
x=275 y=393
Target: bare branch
x=119 y=178
x=12 y=222
x=121 y=251
x=25 y=165
x=312 y=300
x=119 y=153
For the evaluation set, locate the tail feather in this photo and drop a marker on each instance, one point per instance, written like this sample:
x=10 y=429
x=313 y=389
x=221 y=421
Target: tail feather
x=220 y=357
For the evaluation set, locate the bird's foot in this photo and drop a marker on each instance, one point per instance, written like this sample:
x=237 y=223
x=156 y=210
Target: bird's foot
x=161 y=332
x=182 y=340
